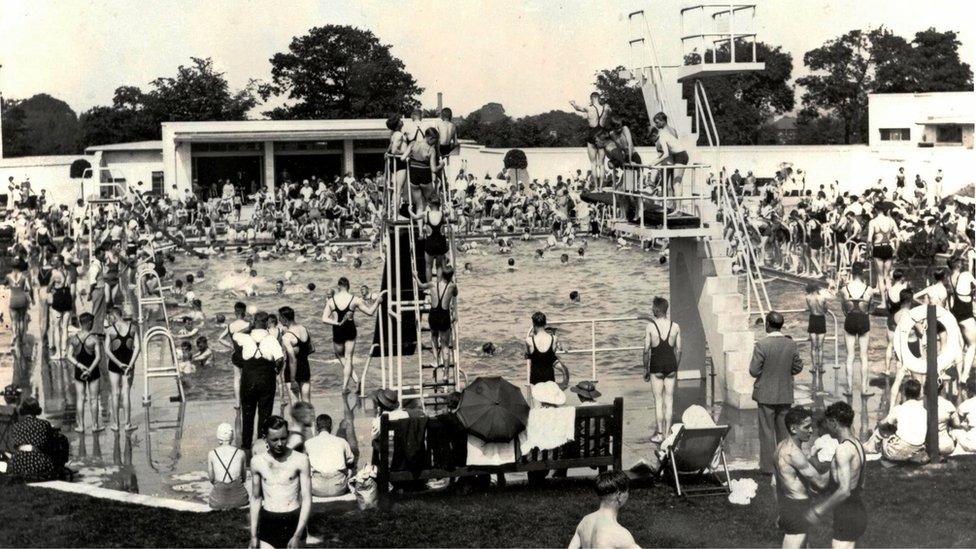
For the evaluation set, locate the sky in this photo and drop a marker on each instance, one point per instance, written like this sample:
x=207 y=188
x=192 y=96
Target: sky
x=532 y=56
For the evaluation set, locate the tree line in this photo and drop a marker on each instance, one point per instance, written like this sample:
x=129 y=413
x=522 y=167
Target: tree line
x=343 y=72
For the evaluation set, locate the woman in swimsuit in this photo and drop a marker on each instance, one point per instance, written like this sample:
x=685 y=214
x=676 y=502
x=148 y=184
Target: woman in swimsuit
x=226 y=469
x=817 y=329
x=343 y=323
x=856 y=301
x=815 y=237
x=423 y=164
x=961 y=284
x=61 y=306
x=596 y=117
x=122 y=349
x=883 y=236
x=21 y=297
x=443 y=293
x=662 y=355
x=84 y=354
x=541 y=365
x=435 y=243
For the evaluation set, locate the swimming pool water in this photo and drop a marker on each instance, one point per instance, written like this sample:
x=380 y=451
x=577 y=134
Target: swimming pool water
x=495 y=305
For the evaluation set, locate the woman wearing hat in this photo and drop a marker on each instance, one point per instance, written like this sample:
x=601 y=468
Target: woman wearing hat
x=225 y=469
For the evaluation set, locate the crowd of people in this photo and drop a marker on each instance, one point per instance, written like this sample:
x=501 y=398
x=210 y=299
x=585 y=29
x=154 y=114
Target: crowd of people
x=82 y=267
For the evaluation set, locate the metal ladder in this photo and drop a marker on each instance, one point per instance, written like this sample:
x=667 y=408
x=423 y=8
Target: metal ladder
x=144 y=304
x=730 y=204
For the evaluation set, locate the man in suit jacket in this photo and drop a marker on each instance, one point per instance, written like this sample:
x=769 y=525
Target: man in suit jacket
x=775 y=360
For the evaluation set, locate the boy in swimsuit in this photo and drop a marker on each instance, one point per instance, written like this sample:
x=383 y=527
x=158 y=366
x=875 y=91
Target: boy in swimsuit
x=847 y=474
x=662 y=355
x=793 y=475
x=281 y=491
x=600 y=528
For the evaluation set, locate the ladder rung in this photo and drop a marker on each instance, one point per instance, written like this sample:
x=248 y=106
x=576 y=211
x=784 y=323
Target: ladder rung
x=155 y=370
x=633 y=13
x=439 y=384
x=163 y=375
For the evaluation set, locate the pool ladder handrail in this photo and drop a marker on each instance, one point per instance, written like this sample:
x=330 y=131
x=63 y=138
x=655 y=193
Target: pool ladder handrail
x=145 y=274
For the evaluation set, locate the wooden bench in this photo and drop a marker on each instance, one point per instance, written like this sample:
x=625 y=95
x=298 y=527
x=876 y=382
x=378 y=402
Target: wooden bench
x=598 y=443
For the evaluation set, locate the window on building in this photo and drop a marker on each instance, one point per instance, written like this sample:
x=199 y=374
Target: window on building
x=948 y=133
x=895 y=134
x=157 y=184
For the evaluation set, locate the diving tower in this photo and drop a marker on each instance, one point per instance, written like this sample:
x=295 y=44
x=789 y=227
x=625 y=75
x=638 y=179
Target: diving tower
x=692 y=206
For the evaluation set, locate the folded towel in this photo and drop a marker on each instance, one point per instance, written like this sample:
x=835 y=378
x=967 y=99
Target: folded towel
x=548 y=428
x=489 y=453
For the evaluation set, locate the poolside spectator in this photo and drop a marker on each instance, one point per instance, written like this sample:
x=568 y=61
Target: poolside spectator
x=331 y=459
x=261 y=356
x=775 y=360
x=39 y=451
x=301 y=427
x=226 y=471
x=600 y=528
x=910 y=423
x=794 y=473
x=541 y=364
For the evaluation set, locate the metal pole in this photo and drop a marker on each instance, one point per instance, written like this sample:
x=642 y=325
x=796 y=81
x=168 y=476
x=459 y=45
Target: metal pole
x=593 y=347
x=732 y=33
x=932 y=387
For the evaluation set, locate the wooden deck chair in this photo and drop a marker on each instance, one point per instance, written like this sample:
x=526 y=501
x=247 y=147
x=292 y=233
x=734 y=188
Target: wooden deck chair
x=694 y=452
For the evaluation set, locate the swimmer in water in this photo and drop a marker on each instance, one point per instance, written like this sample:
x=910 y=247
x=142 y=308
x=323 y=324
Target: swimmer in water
x=564 y=258
x=467 y=268
x=511 y=265
x=574 y=296
x=489 y=349
x=539 y=253
x=311 y=287
x=581 y=252
x=280 y=287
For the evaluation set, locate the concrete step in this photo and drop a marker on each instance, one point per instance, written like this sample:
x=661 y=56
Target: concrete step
x=722 y=284
x=717 y=266
x=727 y=303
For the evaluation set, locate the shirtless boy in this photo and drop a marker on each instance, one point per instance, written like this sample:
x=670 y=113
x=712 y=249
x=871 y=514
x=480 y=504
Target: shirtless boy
x=793 y=474
x=600 y=528
x=281 y=491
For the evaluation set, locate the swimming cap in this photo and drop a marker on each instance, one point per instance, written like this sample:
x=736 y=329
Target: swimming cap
x=252 y=309
x=225 y=432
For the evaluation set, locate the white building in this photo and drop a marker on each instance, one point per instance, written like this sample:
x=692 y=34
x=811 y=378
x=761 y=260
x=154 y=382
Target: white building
x=921 y=132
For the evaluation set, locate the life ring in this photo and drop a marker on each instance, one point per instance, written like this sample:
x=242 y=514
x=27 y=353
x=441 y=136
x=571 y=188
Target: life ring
x=950 y=353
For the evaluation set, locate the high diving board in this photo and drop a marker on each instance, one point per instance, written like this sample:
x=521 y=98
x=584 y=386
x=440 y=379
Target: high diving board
x=706 y=70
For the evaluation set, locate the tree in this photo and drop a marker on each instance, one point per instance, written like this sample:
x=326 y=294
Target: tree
x=626 y=101
x=845 y=79
x=39 y=125
x=197 y=92
x=937 y=64
x=851 y=66
x=340 y=72
x=742 y=103
x=812 y=128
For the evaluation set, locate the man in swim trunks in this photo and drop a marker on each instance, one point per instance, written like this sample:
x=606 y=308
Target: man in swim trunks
x=883 y=236
x=600 y=528
x=793 y=473
x=447 y=133
x=597 y=114
x=281 y=491
x=847 y=473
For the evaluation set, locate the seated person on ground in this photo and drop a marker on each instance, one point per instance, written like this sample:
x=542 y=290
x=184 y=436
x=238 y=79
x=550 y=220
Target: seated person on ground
x=910 y=422
x=331 y=459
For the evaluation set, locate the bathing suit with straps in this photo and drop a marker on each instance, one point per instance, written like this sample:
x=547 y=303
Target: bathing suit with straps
x=816 y=235
x=303 y=371
x=851 y=516
x=435 y=244
x=347 y=331
x=962 y=310
x=18 y=293
x=420 y=172
x=61 y=295
x=228 y=493
x=439 y=317
x=542 y=365
x=591 y=135
x=123 y=351
x=86 y=359
x=663 y=361
x=857 y=322
x=883 y=252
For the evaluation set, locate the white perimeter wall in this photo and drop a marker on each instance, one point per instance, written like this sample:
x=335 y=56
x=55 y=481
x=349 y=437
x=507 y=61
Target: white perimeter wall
x=49 y=173
x=855 y=167
x=134 y=166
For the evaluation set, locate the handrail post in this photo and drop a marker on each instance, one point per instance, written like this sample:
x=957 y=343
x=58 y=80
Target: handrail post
x=593 y=347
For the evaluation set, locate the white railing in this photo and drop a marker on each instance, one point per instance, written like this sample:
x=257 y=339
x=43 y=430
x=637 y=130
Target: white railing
x=710 y=36
x=692 y=198
x=593 y=350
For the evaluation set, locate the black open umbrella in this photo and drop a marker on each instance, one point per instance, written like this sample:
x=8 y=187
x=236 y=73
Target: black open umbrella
x=493 y=409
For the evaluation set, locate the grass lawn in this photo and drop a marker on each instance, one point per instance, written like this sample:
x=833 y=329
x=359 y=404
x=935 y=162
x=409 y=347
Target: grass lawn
x=931 y=507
